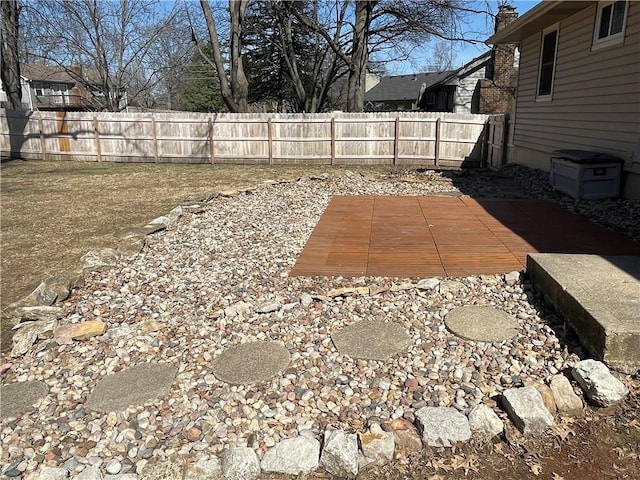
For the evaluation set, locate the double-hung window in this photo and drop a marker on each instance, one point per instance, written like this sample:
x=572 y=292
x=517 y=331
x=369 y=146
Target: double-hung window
x=610 y=23
x=547 y=68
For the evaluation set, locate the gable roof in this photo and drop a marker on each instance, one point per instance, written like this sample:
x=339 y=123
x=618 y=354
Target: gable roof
x=56 y=73
x=403 y=87
x=468 y=67
x=538 y=18
x=412 y=86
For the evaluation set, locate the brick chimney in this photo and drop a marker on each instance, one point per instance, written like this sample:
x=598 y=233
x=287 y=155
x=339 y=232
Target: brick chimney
x=76 y=69
x=497 y=91
x=503 y=55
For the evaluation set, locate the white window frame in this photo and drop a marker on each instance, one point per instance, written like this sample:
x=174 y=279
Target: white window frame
x=616 y=38
x=547 y=97
x=38 y=88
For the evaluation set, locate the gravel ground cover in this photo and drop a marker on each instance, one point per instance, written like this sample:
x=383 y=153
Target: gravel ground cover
x=196 y=289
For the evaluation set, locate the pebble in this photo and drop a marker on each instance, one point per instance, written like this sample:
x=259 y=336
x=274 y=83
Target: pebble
x=235 y=257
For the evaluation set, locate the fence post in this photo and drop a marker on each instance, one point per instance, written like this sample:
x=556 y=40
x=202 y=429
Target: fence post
x=97 y=138
x=437 y=146
x=43 y=144
x=270 y=137
x=155 y=138
x=211 y=146
x=396 y=141
x=333 y=139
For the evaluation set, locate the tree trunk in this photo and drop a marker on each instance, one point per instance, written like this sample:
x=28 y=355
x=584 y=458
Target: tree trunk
x=235 y=87
x=359 y=56
x=10 y=71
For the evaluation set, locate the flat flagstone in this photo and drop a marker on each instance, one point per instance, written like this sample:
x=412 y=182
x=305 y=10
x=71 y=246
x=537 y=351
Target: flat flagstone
x=371 y=340
x=133 y=386
x=481 y=324
x=18 y=398
x=252 y=362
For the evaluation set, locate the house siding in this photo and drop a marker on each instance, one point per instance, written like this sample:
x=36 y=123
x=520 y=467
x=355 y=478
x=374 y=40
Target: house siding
x=596 y=94
x=468 y=87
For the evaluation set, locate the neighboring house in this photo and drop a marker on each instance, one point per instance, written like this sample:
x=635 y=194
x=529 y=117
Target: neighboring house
x=579 y=82
x=48 y=87
x=399 y=92
x=486 y=84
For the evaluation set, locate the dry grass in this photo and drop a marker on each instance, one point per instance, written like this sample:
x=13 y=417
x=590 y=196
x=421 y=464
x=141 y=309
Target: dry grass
x=54 y=212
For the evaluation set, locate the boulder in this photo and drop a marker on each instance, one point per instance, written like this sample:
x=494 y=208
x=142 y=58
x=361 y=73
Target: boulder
x=168 y=470
x=293 y=456
x=527 y=410
x=27 y=334
x=442 y=426
x=340 y=453
x=484 y=421
x=97 y=260
x=240 y=463
x=377 y=445
x=53 y=473
x=599 y=385
x=204 y=470
x=567 y=402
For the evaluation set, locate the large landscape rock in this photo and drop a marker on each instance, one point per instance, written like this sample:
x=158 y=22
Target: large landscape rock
x=28 y=332
x=293 y=456
x=53 y=473
x=340 y=453
x=169 y=470
x=97 y=260
x=526 y=410
x=377 y=445
x=484 y=421
x=240 y=463
x=567 y=402
x=599 y=385
x=210 y=469
x=442 y=426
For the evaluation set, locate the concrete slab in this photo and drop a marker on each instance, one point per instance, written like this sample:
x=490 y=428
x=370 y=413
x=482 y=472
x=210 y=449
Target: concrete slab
x=18 y=398
x=600 y=297
x=481 y=324
x=252 y=362
x=371 y=340
x=133 y=386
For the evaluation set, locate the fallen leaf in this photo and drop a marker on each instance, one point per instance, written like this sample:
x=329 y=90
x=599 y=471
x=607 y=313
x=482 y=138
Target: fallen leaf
x=536 y=469
x=555 y=476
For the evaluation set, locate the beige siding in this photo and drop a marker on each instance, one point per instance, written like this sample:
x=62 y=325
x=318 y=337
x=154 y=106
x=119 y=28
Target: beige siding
x=596 y=94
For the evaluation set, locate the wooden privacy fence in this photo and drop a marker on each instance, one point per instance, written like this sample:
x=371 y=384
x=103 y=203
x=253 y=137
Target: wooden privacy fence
x=398 y=138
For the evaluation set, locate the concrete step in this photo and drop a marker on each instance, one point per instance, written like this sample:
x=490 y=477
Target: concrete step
x=599 y=296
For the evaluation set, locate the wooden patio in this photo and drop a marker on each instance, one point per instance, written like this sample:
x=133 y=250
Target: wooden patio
x=445 y=236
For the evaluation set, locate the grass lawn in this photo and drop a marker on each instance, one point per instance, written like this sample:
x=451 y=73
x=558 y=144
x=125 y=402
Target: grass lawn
x=54 y=212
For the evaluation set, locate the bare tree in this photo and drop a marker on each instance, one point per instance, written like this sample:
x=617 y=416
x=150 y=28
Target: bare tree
x=233 y=85
x=312 y=68
x=388 y=24
x=111 y=38
x=10 y=69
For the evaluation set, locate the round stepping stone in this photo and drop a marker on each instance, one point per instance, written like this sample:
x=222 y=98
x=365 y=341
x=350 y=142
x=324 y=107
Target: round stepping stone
x=252 y=362
x=371 y=340
x=133 y=386
x=18 y=398
x=482 y=324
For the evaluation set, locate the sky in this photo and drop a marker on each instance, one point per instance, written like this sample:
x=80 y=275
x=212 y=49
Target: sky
x=462 y=52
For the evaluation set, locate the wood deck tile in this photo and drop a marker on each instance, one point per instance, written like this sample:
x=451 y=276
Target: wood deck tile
x=438 y=236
